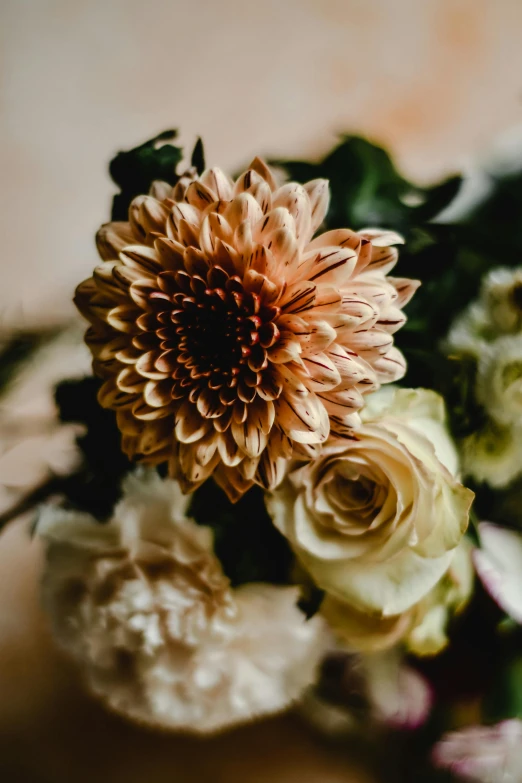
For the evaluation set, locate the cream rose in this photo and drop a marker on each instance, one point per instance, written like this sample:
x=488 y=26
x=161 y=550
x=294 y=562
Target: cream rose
x=375 y=520
x=422 y=629
x=430 y=618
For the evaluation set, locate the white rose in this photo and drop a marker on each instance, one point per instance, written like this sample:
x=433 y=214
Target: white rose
x=422 y=629
x=375 y=519
x=428 y=632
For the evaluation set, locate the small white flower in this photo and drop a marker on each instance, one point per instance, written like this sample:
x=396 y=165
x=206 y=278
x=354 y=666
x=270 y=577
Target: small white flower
x=499 y=380
x=143 y=605
x=489 y=333
x=466 y=336
x=497 y=312
x=501 y=295
x=492 y=455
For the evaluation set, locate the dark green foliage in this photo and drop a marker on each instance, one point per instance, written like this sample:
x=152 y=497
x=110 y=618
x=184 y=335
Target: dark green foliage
x=135 y=170
x=495 y=223
x=247 y=543
x=96 y=486
x=504 y=697
x=367 y=190
x=449 y=259
x=198 y=156
x=452 y=259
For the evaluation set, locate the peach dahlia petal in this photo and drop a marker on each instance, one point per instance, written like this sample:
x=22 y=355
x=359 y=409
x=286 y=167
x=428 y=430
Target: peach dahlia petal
x=228 y=337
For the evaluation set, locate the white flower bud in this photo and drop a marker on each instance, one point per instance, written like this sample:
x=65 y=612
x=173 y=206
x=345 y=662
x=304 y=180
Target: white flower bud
x=501 y=295
x=492 y=455
x=499 y=380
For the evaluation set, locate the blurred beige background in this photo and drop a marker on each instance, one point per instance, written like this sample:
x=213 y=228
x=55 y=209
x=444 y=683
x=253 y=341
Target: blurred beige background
x=437 y=80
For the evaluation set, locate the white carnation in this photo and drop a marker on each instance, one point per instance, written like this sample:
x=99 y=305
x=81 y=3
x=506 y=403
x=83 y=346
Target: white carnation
x=143 y=605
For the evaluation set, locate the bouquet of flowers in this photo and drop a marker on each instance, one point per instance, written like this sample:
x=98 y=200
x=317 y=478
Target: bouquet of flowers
x=270 y=510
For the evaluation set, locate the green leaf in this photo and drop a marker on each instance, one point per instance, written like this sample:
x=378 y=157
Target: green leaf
x=198 y=156
x=96 y=486
x=247 y=543
x=495 y=224
x=505 y=697
x=135 y=170
x=366 y=188
x=436 y=199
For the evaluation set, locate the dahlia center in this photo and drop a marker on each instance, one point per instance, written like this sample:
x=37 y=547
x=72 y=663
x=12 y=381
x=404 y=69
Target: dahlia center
x=215 y=337
x=218 y=338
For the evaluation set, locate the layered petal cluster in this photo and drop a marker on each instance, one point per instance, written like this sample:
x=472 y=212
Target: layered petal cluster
x=142 y=604
x=227 y=336
x=496 y=313
x=421 y=629
x=488 y=337
x=376 y=520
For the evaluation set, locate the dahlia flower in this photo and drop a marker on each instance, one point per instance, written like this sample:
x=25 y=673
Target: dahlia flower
x=142 y=604
x=228 y=338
